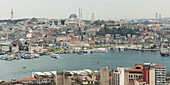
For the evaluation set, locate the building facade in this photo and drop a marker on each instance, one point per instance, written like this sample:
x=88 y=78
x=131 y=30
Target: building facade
x=104 y=76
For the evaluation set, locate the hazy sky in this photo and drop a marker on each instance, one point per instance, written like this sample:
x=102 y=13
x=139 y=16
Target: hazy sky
x=103 y=9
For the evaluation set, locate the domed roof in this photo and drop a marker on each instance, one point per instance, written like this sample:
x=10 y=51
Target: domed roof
x=73 y=16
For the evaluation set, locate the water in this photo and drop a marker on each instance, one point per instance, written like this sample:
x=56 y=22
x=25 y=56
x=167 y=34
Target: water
x=128 y=58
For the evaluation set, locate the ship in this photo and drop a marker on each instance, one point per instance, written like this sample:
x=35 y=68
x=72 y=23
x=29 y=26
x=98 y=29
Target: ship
x=55 y=56
x=164 y=51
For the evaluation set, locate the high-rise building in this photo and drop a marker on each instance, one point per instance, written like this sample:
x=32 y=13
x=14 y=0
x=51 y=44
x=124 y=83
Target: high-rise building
x=154 y=74
x=145 y=72
x=120 y=76
x=104 y=76
x=160 y=16
x=115 y=77
x=160 y=74
x=156 y=15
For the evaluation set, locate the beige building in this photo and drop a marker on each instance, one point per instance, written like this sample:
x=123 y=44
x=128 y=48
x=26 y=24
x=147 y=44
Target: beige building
x=85 y=80
x=62 y=78
x=104 y=76
x=152 y=76
x=135 y=72
x=15 y=49
x=5 y=48
x=33 y=48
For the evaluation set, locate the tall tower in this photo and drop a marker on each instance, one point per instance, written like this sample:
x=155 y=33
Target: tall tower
x=160 y=16
x=12 y=14
x=92 y=18
x=156 y=15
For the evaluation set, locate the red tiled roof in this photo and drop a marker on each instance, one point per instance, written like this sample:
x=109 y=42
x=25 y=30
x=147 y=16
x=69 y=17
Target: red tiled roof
x=159 y=66
x=42 y=76
x=135 y=70
x=137 y=65
x=75 y=42
x=28 y=79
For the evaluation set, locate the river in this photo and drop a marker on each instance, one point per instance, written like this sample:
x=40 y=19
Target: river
x=128 y=58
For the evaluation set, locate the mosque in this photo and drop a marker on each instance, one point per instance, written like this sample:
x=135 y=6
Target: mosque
x=74 y=21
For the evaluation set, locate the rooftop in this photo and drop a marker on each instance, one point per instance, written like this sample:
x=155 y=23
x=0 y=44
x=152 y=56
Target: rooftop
x=28 y=79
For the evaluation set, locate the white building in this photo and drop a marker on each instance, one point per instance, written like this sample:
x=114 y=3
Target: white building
x=120 y=76
x=160 y=74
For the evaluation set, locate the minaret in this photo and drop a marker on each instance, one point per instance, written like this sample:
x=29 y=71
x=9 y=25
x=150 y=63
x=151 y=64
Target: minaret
x=53 y=23
x=79 y=16
x=12 y=14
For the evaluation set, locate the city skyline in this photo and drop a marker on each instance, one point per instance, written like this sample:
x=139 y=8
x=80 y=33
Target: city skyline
x=131 y=9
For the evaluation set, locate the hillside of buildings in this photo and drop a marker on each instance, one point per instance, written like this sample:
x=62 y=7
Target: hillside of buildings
x=122 y=31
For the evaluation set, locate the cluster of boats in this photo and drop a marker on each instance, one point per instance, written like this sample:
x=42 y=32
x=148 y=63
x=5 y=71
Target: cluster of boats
x=18 y=56
x=164 y=50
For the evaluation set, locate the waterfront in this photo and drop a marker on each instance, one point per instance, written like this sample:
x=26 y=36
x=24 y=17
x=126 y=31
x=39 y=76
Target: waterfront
x=14 y=69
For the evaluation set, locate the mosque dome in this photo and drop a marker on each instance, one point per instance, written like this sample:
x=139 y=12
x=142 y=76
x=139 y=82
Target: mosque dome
x=73 y=16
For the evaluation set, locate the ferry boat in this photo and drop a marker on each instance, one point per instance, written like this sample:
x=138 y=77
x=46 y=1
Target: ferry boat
x=164 y=51
x=55 y=56
x=101 y=50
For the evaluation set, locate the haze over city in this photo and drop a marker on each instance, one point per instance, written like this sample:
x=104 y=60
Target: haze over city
x=103 y=9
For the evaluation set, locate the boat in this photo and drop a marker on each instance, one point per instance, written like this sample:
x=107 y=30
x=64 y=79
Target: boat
x=17 y=58
x=2 y=53
x=36 y=55
x=54 y=56
x=28 y=56
x=101 y=50
x=85 y=51
x=79 y=52
x=164 y=51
